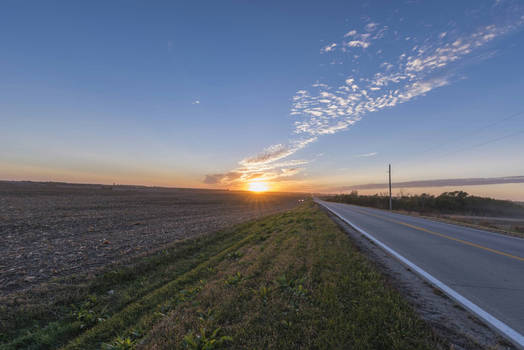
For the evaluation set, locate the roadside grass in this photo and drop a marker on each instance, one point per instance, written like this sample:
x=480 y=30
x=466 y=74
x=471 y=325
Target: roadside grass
x=506 y=228
x=291 y=280
x=51 y=315
x=498 y=226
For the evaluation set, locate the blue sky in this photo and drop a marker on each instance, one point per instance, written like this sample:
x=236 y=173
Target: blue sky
x=304 y=95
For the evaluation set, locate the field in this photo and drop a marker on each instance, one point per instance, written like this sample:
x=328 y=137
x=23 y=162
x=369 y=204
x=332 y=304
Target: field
x=50 y=230
x=511 y=226
x=289 y=280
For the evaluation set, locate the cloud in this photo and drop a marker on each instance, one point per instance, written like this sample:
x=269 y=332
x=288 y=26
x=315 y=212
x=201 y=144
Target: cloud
x=371 y=26
x=418 y=71
x=350 y=33
x=372 y=154
x=252 y=175
x=196 y=102
x=265 y=166
x=270 y=154
x=276 y=152
x=222 y=178
x=359 y=43
x=323 y=109
x=330 y=112
x=328 y=48
x=274 y=176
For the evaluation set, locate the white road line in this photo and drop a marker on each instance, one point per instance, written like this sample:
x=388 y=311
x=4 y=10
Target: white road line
x=510 y=333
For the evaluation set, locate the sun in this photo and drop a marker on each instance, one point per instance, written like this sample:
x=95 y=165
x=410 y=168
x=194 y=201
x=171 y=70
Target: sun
x=258 y=186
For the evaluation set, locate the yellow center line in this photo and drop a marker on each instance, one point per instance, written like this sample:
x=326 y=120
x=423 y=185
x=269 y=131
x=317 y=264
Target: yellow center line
x=445 y=236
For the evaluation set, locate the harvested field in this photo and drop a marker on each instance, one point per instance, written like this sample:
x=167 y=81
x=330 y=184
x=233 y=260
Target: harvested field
x=286 y=281
x=54 y=229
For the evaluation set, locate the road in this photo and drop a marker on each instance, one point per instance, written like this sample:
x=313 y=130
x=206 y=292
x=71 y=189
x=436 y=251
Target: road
x=484 y=268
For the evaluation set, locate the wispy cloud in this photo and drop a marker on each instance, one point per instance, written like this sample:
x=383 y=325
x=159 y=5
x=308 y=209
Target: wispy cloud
x=276 y=152
x=417 y=71
x=328 y=48
x=365 y=155
x=327 y=108
x=266 y=165
x=350 y=33
x=196 y=102
x=371 y=26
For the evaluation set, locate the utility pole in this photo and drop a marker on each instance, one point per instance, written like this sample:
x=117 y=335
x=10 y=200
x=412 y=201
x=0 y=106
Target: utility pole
x=390 y=201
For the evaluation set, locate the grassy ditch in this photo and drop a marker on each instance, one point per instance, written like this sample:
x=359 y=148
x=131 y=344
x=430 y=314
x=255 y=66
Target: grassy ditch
x=291 y=280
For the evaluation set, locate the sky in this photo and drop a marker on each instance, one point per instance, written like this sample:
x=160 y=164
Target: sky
x=301 y=95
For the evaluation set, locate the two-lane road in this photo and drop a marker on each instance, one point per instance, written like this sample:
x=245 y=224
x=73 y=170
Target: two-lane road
x=485 y=268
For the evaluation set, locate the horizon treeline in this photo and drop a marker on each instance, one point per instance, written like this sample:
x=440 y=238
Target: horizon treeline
x=456 y=202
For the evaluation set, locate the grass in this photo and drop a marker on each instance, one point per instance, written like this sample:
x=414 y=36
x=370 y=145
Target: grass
x=498 y=226
x=291 y=280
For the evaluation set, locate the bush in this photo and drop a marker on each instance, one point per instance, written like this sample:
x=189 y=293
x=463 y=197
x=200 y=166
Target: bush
x=456 y=202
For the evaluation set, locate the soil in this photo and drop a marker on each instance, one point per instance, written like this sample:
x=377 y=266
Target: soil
x=50 y=230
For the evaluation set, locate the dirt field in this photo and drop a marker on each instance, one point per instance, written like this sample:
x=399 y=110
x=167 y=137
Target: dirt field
x=50 y=229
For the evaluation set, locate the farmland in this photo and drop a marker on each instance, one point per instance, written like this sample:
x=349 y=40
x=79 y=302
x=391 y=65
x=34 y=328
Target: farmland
x=288 y=280
x=50 y=230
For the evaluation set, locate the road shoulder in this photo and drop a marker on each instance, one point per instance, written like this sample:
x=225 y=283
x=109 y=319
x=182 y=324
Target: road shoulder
x=449 y=320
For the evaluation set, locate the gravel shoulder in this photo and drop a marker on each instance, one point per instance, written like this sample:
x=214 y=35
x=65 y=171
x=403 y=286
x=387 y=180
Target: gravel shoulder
x=449 y=320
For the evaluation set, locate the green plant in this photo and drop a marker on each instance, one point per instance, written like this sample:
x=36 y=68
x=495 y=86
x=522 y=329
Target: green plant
x=204 y=342
x=290 y=284
x=263 y=292
x=233 y=279
x=187 y=294
x=234 y=256
x=120 y=343
x=205 y=315
x=286 y=324
x=86 y=314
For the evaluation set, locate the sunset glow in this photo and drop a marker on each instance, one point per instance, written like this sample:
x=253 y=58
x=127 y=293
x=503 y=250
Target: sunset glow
x=331 y=124
x=258 y=186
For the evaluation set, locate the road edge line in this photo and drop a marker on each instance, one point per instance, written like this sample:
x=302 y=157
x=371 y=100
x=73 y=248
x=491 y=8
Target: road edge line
x=514 y=336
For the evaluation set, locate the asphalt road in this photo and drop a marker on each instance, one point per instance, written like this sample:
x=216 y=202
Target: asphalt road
x=484 y=267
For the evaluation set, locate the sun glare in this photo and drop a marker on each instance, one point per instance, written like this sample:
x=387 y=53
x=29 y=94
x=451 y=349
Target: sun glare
x=258 y=187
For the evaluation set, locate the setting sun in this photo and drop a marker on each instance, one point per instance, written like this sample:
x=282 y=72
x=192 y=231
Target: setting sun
x=258 y=187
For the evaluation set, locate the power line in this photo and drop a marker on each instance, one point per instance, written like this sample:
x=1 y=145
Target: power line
x=474 y=132
x=483 y=143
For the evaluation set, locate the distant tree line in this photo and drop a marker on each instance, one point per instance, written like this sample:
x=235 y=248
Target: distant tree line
x=457 y=202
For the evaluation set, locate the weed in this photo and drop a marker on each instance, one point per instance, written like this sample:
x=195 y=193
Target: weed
x=294 y=286
x=234 y=256
x=86 y=314
x=205 y=315
x=233 y=279
x=263 y=292
x=204 y=342
x=286 y=323
x=187 y=294
x=120 y=343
